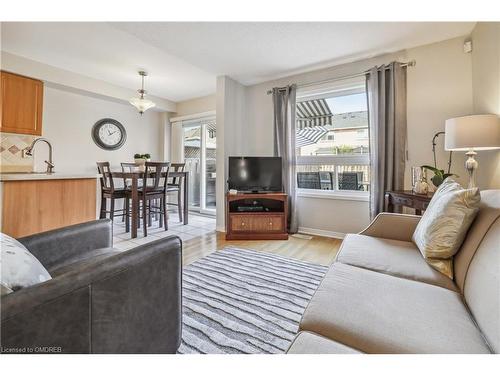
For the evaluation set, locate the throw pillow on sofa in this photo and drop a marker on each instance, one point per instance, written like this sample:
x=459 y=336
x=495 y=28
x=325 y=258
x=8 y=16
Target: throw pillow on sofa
x=19 y=268
x=444 y=224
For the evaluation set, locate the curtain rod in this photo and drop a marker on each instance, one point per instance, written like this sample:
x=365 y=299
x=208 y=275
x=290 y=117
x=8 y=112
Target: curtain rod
x=403 y=65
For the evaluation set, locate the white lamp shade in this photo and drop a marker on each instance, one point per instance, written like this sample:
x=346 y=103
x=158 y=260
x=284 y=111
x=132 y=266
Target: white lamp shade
x=142 y=104
x=476 y=132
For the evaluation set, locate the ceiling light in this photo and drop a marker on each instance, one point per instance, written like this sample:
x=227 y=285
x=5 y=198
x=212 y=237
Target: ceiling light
x=142 y=104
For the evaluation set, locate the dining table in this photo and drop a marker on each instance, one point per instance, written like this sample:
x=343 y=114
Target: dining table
x=134 y=177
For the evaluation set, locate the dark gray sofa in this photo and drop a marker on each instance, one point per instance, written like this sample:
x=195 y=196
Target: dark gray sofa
x=100 y=300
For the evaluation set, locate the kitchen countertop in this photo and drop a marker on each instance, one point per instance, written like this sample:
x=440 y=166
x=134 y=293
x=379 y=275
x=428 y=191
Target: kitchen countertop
x=31 y=176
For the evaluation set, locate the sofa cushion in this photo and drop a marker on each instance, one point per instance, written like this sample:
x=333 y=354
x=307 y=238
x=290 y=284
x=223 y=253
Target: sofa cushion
x=378 y=313
x=312 y=343
x=19 y=268
x=442 y=229
x=84 y=259
x=397 y=258
x=482 y=286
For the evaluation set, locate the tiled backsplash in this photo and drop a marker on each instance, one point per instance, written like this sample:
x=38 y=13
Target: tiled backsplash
x=11 y=146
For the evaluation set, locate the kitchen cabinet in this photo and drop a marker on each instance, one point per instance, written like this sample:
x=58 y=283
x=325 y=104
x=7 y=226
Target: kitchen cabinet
x=34 y=203
x=21 y=104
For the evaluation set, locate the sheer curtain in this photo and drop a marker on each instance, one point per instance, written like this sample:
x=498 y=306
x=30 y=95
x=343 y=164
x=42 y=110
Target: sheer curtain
x=284 y=100
x=386 y=90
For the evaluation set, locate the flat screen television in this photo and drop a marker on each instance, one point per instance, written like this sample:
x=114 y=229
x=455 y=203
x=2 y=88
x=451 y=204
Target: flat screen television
x=255 y=174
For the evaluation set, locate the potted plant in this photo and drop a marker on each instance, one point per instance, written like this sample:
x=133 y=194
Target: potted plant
x=141 y=159
x=439 y=174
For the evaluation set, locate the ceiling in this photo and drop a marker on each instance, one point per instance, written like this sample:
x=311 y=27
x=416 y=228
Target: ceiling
x=184 y=58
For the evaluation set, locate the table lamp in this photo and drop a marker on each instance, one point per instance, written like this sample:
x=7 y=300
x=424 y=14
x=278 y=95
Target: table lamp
x=472 y=133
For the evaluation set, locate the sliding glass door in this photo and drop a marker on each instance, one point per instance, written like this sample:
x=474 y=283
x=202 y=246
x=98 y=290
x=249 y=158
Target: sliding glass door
x=199 y=156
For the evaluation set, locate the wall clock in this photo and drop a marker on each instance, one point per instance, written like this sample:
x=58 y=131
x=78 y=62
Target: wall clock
x=109 y=134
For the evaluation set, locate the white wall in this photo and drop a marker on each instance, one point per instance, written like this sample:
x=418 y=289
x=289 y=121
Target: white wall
x=486 y=92
x=67 y=122
x=439 y=87
x=196 y=105
x=230 y=118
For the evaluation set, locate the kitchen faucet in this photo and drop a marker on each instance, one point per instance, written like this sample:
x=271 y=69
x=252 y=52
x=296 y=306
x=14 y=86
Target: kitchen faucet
x=29 y=151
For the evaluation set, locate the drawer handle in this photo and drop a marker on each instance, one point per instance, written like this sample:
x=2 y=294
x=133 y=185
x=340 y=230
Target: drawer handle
x=270 y=223
x=242 y=224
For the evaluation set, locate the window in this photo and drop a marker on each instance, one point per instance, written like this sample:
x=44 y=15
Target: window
x=200 y=140
x=333 y=139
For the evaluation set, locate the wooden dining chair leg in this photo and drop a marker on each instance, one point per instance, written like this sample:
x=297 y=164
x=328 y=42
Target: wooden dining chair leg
x=112 y=209
x=145 y=217
x=179 y=204
x=127 y=215
x=160 y=220
x=102 y=214
x=149 y=212
x=165 y=213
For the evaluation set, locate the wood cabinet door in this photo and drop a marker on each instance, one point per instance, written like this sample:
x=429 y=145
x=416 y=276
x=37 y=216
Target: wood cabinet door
x=22 y=103
x=257 y=223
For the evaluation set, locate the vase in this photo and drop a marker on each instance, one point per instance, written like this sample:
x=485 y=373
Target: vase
x=419 y=180
x=141 y=163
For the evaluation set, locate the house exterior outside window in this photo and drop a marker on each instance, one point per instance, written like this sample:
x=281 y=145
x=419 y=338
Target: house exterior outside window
x=338 y=161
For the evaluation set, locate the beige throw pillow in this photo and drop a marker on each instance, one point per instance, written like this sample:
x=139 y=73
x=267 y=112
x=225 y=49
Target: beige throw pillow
x=443 y=227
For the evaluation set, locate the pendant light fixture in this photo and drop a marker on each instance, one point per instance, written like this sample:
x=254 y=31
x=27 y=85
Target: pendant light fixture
x=141 y=103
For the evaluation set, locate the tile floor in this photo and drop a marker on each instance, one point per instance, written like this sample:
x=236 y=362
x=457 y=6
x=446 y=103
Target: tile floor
x=198 y=226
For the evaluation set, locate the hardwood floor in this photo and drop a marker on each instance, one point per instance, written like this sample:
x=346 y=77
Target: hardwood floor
x=320 y=250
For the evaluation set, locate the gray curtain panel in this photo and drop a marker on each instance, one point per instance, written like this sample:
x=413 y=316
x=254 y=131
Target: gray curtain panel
x=284 y=100
x=386 y=89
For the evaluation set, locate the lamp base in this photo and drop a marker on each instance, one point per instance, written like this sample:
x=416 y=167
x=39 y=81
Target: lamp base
x=471 y=165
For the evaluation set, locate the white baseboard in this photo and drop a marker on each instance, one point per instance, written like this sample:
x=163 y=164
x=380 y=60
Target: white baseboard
x=304 y=230
x=321 y=232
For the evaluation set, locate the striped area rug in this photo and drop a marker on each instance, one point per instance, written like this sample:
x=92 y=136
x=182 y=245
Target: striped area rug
x=245 y=301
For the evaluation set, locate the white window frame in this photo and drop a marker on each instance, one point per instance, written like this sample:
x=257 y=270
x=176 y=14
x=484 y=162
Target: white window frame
x=340 y=89
x=190 y=123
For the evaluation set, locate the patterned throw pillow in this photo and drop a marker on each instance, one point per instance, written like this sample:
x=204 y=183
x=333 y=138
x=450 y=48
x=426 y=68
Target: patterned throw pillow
x=444 y=224
x=19 y=268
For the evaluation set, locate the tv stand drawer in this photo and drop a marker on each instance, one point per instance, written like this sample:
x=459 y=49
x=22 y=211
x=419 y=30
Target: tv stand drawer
x=257 y=223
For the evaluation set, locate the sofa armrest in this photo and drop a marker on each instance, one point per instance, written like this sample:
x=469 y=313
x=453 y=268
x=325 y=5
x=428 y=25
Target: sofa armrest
x=392 y=226
x=127 y=303
x=56 y=246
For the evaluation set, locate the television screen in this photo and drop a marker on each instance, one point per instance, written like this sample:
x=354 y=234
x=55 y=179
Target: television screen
x=255 y=174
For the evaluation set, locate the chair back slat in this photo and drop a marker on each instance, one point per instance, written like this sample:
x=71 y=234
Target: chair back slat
x=128 y=168
x=104 y=170
x=157 y=173
x=176 y=167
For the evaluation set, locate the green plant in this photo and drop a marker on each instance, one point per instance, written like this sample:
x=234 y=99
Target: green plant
x=344 y=149
x=142 y=156
x=439 y=175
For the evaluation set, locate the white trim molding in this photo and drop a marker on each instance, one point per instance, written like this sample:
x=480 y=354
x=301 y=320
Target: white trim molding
x=194 y=116
x=347 y=195
x=322 y=233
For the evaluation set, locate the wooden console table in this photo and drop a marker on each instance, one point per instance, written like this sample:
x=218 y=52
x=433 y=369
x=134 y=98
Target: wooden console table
x=267 y=222
x=407 y=198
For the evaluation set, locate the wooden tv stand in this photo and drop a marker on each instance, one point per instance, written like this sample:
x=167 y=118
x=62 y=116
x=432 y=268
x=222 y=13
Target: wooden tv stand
x=267 y=222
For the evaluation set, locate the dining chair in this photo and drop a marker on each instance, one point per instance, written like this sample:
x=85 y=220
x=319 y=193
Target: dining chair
x=109 y=191
x=128 y=168
x=154 y=187
x=175 y=186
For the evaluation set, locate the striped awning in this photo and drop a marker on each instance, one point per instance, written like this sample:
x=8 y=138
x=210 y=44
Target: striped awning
x=311 y=113
x=309 y=136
